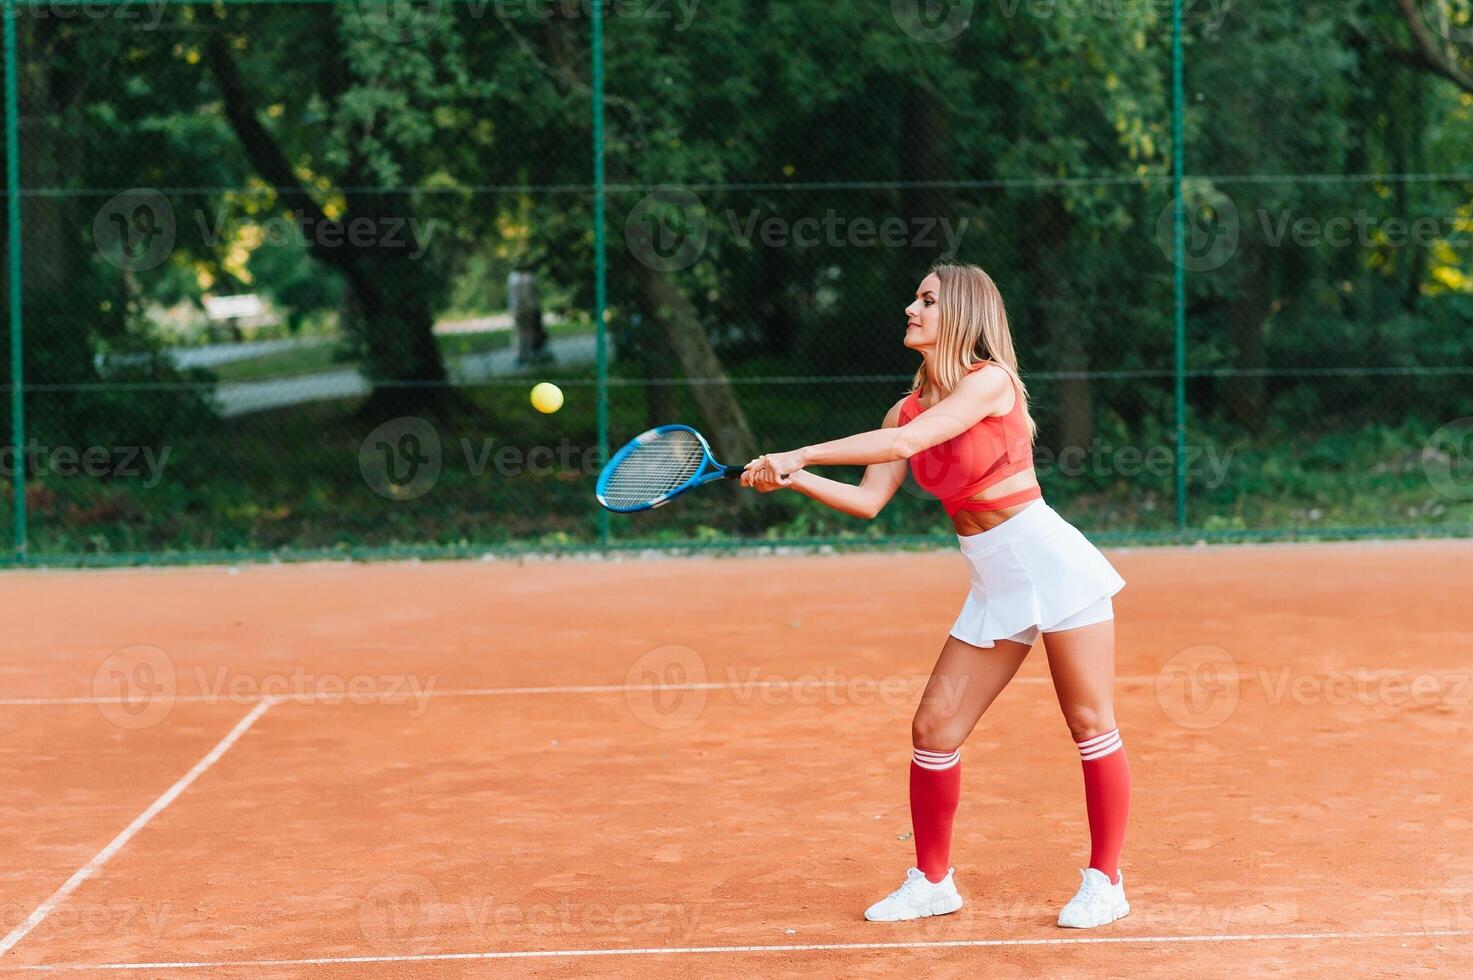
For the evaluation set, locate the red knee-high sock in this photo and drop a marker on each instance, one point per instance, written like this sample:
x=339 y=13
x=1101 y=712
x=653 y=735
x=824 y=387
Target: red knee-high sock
x=1107 y=798
x=935 y=790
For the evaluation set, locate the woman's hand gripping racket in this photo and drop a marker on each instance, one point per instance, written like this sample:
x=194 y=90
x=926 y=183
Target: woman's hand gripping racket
x=658 y=466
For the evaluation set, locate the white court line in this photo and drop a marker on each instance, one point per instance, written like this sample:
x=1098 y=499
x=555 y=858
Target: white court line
x=702 y=950
x=307 y=697
x=804 y=681
x=102 y=856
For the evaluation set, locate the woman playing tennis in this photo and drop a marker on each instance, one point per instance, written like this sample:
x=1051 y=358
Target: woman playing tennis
x=967 y=436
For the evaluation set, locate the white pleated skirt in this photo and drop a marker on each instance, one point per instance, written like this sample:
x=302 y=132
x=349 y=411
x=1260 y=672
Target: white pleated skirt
x=1033 y=570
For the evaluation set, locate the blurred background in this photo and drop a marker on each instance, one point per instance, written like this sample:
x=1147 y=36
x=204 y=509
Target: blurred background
x=288 y=271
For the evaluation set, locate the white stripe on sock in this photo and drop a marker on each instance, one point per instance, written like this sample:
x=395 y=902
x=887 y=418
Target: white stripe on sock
x=1102 y=749
x=935 y=761
x=935 y=755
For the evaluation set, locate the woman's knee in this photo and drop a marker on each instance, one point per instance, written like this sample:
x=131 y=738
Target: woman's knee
x=1087 y=721
x=935 y=732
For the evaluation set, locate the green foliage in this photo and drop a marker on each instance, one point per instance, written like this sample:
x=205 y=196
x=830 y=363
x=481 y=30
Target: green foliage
x=1043 y=143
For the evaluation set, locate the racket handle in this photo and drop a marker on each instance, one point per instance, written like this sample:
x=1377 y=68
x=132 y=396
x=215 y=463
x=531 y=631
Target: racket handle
x=732 y=472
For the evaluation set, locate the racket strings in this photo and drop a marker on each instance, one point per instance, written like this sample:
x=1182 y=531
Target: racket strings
x=654 y=468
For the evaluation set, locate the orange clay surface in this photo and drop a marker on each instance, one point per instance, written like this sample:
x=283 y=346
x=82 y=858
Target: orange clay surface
x=580 y=756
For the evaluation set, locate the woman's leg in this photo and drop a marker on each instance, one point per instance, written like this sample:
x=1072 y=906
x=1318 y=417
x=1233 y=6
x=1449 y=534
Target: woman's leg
x=964 y=683
x=1082 y=662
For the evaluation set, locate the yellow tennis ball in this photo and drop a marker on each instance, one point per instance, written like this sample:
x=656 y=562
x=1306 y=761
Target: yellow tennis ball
x=547 y=398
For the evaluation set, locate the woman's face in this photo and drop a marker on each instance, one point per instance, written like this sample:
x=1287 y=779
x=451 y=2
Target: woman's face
x=923 y=317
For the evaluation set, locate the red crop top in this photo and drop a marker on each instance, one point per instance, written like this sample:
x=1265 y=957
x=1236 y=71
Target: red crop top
x=989 y=452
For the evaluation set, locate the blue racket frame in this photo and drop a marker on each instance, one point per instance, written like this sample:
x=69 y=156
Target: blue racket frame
x=709 y=472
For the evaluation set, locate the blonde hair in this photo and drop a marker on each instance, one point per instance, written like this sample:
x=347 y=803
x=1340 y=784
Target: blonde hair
x=974 y=328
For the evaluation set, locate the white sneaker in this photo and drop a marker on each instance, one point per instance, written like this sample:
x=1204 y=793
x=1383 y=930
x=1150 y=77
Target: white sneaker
x=1098 y=902
x=917 y=898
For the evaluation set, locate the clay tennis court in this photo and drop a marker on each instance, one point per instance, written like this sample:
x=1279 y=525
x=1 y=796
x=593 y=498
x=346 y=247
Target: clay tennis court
x=695 y=766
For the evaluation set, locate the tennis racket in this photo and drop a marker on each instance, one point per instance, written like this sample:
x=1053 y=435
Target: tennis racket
x=658 y=466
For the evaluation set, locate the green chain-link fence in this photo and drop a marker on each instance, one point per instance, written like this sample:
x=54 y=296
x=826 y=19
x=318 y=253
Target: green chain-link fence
x=288 y=270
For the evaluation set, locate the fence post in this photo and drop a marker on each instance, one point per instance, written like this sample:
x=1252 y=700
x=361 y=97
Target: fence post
x=1179 y=258
x=600 y=254
x=17 y=375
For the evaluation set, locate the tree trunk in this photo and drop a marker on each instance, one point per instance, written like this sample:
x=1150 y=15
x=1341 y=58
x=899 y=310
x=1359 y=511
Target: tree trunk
x=1062 y=324
x=925 y=157
x=721 y=417
x=395 y=322
x=1246 y=313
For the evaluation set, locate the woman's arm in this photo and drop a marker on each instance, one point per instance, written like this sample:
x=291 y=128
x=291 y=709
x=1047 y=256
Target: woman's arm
x=980 y=394
x=874 y=491
x=880 y=482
